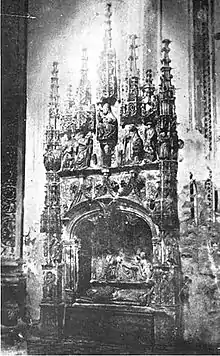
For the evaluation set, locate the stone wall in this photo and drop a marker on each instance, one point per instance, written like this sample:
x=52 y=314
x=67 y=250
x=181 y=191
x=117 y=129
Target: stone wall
x=200 y=257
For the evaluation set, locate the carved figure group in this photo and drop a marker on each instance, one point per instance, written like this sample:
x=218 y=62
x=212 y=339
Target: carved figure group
x=149 y=146
x=124 y=267
x=77 y=152
x=134 y=145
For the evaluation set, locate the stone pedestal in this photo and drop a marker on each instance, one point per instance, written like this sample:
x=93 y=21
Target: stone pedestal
x=52 y=320
x=13 y=285
x=111 y=324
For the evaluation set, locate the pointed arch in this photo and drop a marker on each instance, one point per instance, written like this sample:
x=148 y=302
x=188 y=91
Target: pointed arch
x=86 y=209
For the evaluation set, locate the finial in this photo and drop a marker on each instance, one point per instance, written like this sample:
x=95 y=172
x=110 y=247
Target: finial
x=166 y=76
x=54 y=97
x=108 y=28
x=148 y=87
x=84 y=60
x=70 y=98
x=149 y=77
x=84 y=88
x=55 y=69
x=165 y=52
x=133 y=57
x=107 y=87
x=119 y=80
x=54 y=84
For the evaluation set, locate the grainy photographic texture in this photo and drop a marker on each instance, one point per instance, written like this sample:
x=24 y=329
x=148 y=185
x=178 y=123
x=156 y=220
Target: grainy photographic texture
x=110 y=177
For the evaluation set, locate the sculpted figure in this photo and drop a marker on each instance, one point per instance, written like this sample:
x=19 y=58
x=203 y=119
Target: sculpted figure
x=110 y=272
x=156 y=254
x=107 y=134
x=127 y=268
x=164 y=146
x=185 y=291
x=67 y=156
x=150 y=141
x=145 y=266
x=84 y=150
x=99 y=294
x=176 y=144
x=133 y=146
x=126 y=295
x=166 y=285
x=49 y=288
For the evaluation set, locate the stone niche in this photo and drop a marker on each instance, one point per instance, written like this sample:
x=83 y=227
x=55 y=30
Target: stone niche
x=113 y=253
x=117 y=278
x=113 y=285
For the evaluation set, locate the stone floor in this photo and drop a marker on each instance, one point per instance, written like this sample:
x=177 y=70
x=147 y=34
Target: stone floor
x=14 y=350
x=36 y=347
x=32 y=345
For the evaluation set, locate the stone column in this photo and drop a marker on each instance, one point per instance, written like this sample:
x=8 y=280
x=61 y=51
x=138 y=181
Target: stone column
x=51 y=304
x=14 y=55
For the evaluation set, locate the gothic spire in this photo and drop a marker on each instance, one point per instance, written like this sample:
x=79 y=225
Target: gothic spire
x=130 y=108
x=148 y=88
x=166 y=76
x=69 y=106
x=84 y=68
x=69 y=96
x=107 y=86
x=54 y=97
x=167 y=90
x=133 y=56
x=84 y=89
x=108 y=27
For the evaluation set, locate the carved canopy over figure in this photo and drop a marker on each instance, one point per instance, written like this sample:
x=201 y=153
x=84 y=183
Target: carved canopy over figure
x=133 y=146
x=107 y=133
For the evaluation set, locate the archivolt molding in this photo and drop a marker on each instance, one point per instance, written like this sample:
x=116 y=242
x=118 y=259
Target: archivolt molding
x=85 y=209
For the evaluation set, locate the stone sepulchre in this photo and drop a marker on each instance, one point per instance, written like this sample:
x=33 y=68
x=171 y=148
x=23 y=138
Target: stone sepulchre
x=112 y=267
